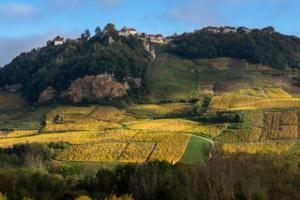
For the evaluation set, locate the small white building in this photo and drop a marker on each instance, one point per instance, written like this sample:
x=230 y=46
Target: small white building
x=228 y=29
x=58 y=40
x=211 y=29
x=156 y=38
x=126 y=32
x=244 y=30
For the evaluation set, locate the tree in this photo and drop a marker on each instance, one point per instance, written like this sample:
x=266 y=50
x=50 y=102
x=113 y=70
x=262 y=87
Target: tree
x=49 y=42
x=98 y=32
x=86 y=34
x=83 y=198
x=3 y=197
x=110 y=30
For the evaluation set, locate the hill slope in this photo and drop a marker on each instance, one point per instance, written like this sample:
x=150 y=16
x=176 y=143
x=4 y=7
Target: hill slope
x=269 y=48
x=190 y=66
x=57 y=66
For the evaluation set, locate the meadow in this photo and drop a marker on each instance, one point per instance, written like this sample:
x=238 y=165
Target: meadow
x=172 y=78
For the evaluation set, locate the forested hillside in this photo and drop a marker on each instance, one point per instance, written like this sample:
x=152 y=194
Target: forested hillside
x=57 y=66
x=258 y=46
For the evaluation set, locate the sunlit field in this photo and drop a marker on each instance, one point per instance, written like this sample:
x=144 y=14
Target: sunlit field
x=271 y=98
x=147 y=132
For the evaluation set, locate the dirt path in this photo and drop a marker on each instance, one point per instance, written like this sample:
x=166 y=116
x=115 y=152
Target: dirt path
x=151 y=152
x=123 y=151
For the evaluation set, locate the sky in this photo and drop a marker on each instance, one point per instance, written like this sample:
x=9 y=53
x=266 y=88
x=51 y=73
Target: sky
x=27 y=24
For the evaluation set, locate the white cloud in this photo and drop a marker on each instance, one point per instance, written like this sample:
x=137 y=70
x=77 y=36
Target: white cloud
x=216 y=12
x=197 y=12
x=11 y=47
x=17 y=11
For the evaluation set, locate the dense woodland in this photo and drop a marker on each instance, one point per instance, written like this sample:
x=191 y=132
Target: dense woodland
x=237 y=177
x=261 y=47
x=57 y=66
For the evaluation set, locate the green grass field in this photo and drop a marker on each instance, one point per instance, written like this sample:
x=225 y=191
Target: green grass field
x=196 y=151
x=174 y=78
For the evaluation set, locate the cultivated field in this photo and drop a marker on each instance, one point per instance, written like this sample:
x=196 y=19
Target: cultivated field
x=170 y=109
x=271 y=98
x=263 y=148
x=263 y=126
x=180 y=125
x=104 y=133
x=173 y=132
x=137 y=147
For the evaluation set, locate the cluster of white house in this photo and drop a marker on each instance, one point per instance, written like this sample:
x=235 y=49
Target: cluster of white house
x=155 y=38
x=158 y=38
x=58 y=40
x=124 y=32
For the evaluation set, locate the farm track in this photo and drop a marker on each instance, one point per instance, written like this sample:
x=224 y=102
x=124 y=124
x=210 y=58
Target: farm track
x=123 y=151
x=151 y=152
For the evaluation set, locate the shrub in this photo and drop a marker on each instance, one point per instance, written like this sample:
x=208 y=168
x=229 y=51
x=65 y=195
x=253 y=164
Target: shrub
x=3 y=197
x=83 y=198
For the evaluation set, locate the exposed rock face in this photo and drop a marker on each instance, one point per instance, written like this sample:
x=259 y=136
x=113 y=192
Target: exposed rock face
x=94 y=88
x=150 y=49
x=47 y=95
x=13 y=88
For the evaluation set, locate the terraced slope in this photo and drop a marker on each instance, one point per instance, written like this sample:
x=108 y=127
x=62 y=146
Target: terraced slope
x=268 y=99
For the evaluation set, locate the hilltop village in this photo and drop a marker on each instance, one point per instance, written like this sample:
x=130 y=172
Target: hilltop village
x=159 y=38
x=124 y=32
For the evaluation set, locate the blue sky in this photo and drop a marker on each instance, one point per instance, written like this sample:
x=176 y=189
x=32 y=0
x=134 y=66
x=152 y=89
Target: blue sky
x=25 y=24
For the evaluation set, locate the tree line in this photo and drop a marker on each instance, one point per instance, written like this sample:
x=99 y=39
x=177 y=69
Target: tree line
x=223 y=176
x=258 y=47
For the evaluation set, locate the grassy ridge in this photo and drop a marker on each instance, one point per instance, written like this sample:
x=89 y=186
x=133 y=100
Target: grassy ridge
x=174 y=78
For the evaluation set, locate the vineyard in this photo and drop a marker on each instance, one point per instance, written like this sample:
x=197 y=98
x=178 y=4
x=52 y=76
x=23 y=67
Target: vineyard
x=265 y=126
x=159 y=146
x=172 y=132
x=107 y=134
x=180 y=125
x=163 y=110
x=254 y=148
x=268 y=98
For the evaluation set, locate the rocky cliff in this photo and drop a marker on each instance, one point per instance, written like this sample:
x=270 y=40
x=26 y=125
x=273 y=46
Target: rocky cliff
x=94 y=88
x=90 y=88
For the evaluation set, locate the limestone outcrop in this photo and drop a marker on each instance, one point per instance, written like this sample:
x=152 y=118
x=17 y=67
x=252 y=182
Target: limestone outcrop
x=94 y=88
x=47 y=95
